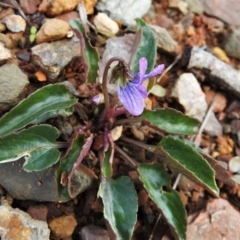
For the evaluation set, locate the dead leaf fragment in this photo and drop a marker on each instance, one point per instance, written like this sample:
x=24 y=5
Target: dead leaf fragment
x=116 y=132
x=41 y=76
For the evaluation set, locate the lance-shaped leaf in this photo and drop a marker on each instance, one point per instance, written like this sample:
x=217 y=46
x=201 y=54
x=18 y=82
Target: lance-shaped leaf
x=47 y=99
x=36 y=144
x=120 y=205
x=154 y=178
x=144 y=46
x=90 y=53
x=67 y=162
x=221 y=173
x=186 y=160
x=84 y=150
x=107 y=156
x=171 y=121
x=63 y=112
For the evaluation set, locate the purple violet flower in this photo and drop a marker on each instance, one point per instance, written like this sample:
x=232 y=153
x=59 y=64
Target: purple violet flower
x=132 y=93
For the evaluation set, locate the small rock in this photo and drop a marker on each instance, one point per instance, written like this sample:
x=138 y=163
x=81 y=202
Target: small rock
x=16 y=39
x=125 y=11
x=232 y=44
x=38 y=212
x=2 y=27
x=29 y=6
x=186 y=184
x=51 y=30
x=221 y=101
x=12 y=83
x=105 y=25
x=18 y=225
x=164 y=21
x=213 y=127
x=92 y=232
x=53 y=57
x=40 y=185
x=164 y=40
x=15 y=23
x=235 y=126
x=24 y=55
x=6 y=12
x=220 y=54
x=56 y=7
x=64 y=226
x=180 y=5
x=68 y=16
x=5 y=40
x=190 y=95
x=218 y=220
x=195 y=6
x=89 y=5
x=5 y=54
x=226 y=10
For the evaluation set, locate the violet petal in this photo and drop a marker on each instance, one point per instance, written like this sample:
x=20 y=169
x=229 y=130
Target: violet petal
x=136 y=80
x=142 y=90
x=131 y=99
x=155 y=71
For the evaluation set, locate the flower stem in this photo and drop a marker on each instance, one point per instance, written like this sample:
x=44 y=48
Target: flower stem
x=147 y=147
x=128 y=120
x=125 y=155
x=104 y=83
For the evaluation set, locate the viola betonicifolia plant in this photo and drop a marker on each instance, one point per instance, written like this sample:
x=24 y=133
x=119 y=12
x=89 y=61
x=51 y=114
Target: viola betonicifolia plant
x=170 y=150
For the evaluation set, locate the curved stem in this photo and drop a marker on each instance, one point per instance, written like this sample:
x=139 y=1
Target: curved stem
x=125 y=155
x=147 y=147
x=128 y=120
x=104 y=82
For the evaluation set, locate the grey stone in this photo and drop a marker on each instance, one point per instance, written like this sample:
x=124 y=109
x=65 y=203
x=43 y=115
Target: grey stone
x=2 y=27
x=5 y=54
x=189 y=93
x=53 y=57
x=226 y=10
x=125 y=11
x=18 y=225
x=12 y=84
x=164 y=40
x=5 y=40
x=213 y=126
x=92 y=232
x=38 y=185
x=15 y=23
x=195 y=6
x=232 y=44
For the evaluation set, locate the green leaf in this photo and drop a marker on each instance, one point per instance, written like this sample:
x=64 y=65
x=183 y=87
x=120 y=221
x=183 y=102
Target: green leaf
x=120 y=205
x=63 y=112
x=32 y=37
x=158 y=91
x=108 y=157
x=90 y=53
x=144 y=46
x=66 y=163
x=189 y=162
x=36 y=144
x=154 y=177
x=221 y=173
x=171 y=121
x=106 y=167
x=33 y=30
x=49 y=98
